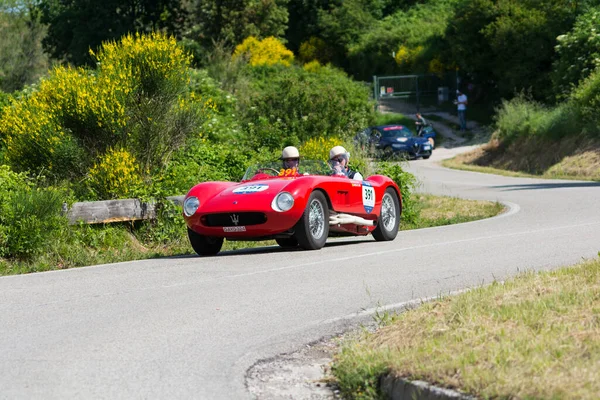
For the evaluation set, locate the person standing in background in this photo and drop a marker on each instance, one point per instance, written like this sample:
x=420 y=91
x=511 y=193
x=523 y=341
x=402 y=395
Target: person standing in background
x=461 y=104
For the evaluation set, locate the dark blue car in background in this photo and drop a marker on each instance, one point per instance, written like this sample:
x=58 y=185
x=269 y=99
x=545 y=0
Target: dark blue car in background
x=395 y=140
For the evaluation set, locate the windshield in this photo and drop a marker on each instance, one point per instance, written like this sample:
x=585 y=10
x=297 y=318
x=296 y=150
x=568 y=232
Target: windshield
x=275 y=170
x=396 y=132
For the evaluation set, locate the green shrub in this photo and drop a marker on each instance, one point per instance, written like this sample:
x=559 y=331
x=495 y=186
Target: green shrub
x=407 y=183
x=578 y=53
x=202 y=161
x=586 y=100
x=521 y=117
x=29 y=220
x=168 y=226
x=290 y=105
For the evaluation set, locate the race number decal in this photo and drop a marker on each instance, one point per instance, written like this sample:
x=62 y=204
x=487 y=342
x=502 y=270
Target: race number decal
x=250 y=189
x=368 y=197
x=288 y=172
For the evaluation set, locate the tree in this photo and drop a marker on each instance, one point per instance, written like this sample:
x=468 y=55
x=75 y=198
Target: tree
x=578 y=53
x=507 y=44
x=231 y=21
x=76 y=26
x=22 y=59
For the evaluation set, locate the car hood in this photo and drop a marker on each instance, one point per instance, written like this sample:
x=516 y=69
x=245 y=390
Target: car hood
x=259 y=187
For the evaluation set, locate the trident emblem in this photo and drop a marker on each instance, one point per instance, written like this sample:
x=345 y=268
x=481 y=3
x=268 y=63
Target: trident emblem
x=235 y=218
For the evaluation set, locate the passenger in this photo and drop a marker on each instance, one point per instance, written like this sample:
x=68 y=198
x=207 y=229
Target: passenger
x=338 y=159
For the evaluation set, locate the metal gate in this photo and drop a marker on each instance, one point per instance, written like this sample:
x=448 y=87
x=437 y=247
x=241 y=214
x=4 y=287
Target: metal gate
x=422 y=90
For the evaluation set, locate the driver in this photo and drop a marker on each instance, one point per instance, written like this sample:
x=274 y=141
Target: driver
x=338 y=159
x=290 y=157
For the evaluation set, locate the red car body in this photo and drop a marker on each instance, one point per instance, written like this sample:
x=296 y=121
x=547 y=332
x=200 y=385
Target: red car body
x=249 y=210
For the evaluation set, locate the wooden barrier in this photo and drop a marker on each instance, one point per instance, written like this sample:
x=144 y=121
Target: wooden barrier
x=107 y=211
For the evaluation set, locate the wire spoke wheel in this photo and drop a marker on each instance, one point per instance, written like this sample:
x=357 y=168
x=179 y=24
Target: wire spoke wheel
x=316 y=218
x=389 y=217
x=388 y=212
x=313 y=227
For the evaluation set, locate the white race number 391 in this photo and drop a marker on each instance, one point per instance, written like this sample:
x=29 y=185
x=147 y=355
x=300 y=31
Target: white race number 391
x=368 y=197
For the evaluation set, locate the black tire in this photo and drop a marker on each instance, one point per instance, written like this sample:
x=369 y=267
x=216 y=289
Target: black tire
x=389 y=218
x=426 y=157
x=287 y=243
x=312 y=235
x=205 y=245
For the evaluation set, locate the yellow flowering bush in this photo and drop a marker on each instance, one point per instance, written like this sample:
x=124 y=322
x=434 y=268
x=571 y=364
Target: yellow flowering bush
x=313 y=49
x=149 y=64
x=313 y=66
x=269 y=51
x=318 y=148
x=406 y=57
x=115 y=175
x=136 y=99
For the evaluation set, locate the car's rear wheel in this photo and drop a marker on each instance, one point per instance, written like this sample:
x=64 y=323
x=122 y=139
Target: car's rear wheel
x=204 y=245
x=313 y=228
x=389 y=218
x=287 y=242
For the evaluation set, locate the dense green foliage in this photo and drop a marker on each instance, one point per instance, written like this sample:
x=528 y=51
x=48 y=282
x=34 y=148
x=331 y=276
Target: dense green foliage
x=232 y=22
x=417 y=31
x=509 y=44
x=407 y=183
x=76 y=26
x=578 y=53
x=22 y=60
x=520 y=117
x=290 y=105
x=29 y=216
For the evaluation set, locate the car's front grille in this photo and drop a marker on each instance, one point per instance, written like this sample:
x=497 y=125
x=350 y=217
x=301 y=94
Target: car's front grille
x=234 y=219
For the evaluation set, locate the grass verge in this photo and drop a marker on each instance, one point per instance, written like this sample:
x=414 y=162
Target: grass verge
x=534 y=336
x=442 y=210
x=101 y=244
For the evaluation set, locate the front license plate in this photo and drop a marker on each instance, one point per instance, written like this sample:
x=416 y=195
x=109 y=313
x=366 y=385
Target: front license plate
x=426 y=147
x=234 y=229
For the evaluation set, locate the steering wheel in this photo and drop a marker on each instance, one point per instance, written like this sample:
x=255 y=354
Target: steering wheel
x=268 y=169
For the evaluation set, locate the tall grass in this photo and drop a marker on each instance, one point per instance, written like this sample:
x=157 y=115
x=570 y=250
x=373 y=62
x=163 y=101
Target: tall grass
x=521 y=118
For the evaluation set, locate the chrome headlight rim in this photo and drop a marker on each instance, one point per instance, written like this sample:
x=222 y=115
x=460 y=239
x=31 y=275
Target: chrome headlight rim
x=284 y=201
x=190 y=206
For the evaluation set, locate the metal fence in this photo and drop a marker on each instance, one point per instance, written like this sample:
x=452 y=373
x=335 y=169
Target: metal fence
x=419 y=90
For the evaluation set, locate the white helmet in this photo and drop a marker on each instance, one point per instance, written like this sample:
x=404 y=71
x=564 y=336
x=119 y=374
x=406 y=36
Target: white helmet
x=339 y=151
x=290 y=152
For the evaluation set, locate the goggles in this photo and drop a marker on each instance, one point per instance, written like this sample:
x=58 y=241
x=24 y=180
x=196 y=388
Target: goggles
x=291 y=162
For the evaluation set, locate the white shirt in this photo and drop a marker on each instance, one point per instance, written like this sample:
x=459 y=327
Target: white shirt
x=358 y=176
x=461 y=100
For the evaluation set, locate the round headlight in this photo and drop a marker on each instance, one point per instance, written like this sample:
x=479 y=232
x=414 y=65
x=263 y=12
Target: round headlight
x=284 y=201
x=190 y=205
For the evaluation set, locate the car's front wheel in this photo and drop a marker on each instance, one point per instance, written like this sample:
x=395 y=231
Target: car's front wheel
x=204 y=245
x=313 y=228
x=389 y=218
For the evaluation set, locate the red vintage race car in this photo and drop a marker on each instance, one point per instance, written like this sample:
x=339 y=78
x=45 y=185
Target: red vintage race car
x=296 y=207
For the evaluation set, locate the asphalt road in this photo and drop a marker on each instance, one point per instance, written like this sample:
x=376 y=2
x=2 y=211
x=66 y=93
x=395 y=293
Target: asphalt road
x=191 y=327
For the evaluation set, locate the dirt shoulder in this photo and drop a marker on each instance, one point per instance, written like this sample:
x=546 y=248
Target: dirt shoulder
x=568 y=158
